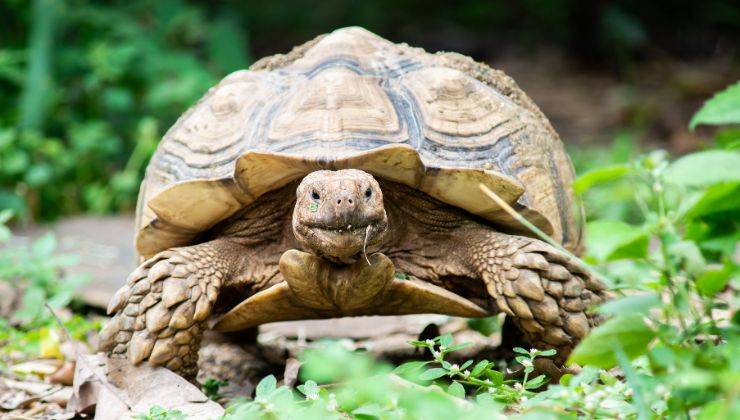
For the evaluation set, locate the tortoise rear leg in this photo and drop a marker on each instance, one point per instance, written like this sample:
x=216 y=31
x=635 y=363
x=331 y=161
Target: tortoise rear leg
x=544 y=291
x=161 y=312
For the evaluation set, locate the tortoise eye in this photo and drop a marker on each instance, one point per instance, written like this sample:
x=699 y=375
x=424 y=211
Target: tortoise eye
x=315 y=195
x=368 y=193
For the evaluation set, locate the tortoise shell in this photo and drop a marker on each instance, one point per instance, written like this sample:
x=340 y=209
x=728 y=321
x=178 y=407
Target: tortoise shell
x=440 y=123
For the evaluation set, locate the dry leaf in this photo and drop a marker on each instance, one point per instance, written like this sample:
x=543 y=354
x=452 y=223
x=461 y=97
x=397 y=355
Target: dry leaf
x=60 y=397
x=41 y=367
x=33 y=388
x=139 y=387
x=292 y=367
x=64 y=375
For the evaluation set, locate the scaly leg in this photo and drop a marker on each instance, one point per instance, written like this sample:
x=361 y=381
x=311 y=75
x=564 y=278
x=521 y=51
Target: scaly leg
x=543 y=290
x=162 y=310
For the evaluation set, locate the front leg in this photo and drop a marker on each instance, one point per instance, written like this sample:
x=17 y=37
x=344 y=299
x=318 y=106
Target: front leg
x=544 y=291
x=162 y=310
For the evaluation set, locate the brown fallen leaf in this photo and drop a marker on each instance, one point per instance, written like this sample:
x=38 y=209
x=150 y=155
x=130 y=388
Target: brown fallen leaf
x=64 y=375
x=33 y=388
x=60 y=397
x=41 y=367
x=85 y=385
x=10 y=399
x=17 y=395
x=134 y=389
x=292 y=367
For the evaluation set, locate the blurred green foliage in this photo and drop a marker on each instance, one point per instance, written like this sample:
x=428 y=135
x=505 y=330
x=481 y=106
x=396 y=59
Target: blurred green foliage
x=95 y=85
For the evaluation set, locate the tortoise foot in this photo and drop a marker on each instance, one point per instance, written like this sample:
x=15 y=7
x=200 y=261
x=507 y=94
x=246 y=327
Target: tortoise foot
x=546 y=293
x=160 y=313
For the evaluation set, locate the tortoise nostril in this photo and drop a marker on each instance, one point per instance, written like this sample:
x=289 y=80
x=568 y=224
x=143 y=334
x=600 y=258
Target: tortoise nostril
x=339 y=201
x=350 y=201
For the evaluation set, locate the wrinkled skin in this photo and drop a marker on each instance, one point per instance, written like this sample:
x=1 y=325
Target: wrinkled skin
x=162 y=311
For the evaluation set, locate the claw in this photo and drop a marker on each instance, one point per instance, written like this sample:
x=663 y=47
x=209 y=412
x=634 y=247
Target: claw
x=183 y=316
x=163 y=351
x=137 y=274
x=140 y=347
x=160 y=269
x=116 y=302
x=173 y=291
x=528 y=285
x=202 y=309
x=537 y=261
x=157 y=318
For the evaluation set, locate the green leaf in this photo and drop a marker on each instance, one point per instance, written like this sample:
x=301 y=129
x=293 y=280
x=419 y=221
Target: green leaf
x=309 y=389
x=712 y=282
x=445 y=340
x=456 y=389
x=723 y=108
x=44 y=245
x=613 y=239
x=433 y=373
x=547 y=353
x=690 y=255
x=479 y=368
x=458 y=346
x=719 y=198
x=703 y=169
x=266 y=386
x=420 y=344
x=369 y=410
x=61 y=298
x=495 y=376
x=485 y=326
x=401 y=276
x=409 y=368
x=32 y=304
x=536 y=382
x=599 y=176
x=628 y=332
x=5 y=215
x=521 y=351
x=631 y=304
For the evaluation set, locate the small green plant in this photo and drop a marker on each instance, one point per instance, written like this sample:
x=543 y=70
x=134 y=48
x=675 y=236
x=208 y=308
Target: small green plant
x=158 y=413
x=675 y=328
x=37 y=271
x=356 y=386
x=211 y=388
x=482 y=377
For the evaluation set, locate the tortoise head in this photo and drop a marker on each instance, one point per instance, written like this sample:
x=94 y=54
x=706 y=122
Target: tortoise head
x=339 y=213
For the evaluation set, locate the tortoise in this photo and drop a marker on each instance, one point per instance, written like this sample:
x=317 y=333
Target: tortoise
x=343 y=179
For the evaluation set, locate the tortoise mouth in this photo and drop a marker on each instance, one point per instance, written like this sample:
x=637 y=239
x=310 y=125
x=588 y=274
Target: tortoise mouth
x=345 y=230
x=343 y=245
